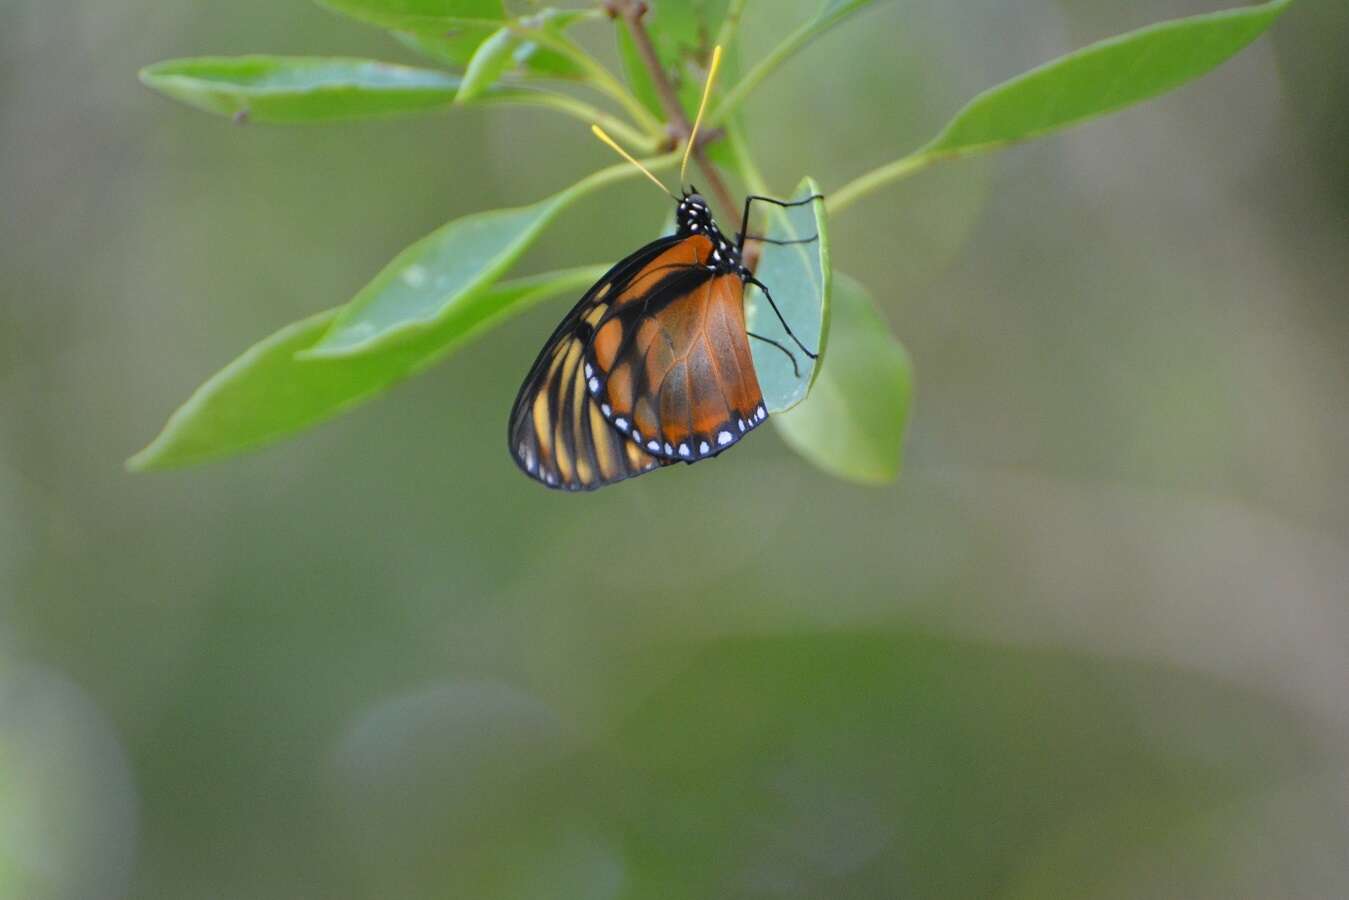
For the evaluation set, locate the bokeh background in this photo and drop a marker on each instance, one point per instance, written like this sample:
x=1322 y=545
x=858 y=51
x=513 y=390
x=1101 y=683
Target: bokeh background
x=1094 y=643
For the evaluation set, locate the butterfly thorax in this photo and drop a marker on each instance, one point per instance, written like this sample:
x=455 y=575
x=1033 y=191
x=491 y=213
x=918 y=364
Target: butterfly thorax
x=695 y=217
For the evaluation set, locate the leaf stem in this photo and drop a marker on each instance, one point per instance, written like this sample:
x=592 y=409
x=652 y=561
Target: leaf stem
x=749 y=170
x=631 y=11
x=610 y=174
x=580 y=110
x=731 y=24
x=859 y=187
x=762 y=69
x=600 y=77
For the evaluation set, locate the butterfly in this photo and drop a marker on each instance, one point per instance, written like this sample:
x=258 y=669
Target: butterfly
x=652 y=366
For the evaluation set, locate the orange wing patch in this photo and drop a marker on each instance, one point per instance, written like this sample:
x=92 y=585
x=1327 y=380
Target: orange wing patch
x=694 y=250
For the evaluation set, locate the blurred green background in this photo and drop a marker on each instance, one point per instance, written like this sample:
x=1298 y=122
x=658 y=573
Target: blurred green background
x=1094 y=643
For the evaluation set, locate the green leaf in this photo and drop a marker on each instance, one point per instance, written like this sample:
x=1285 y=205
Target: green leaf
x=799 y=278
x=681 y=32
x=1094 y=81
x=634 y=140
x=490 y=61
x=1105 y=77
x=431 y=16
x=267 y=393
x=452 y=46
x=545 y=62
x=427 y=281
x=639 y=79
x=510 y=48
x=284 y=89
x=684 y=30
x=536 y=61
x=852 y=424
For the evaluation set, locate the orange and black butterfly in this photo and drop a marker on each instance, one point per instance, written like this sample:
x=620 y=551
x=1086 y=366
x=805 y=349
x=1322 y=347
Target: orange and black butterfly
x=651 y=367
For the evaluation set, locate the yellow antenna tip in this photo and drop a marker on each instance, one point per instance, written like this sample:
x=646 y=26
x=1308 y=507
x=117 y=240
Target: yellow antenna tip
x=702 y=108
x=613 y=144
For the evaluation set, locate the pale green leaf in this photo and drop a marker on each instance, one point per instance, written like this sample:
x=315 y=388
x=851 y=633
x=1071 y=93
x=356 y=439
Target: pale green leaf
x=428 y=16
x=629 y=137
x=638 y=77
x=1105 y=77
x=682 y=35
x=489 y=62
x=852 y=424
x=451 y=46
x=510 y=48
x=539 y=61
x=799 y=278
x=267 y=393
x=456 y=45
x=1094 y=81
x=428 y=280
x=684 y=30
x=284 y=89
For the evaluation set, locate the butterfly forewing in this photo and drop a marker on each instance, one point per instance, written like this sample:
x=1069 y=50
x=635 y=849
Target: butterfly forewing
x=670 y=359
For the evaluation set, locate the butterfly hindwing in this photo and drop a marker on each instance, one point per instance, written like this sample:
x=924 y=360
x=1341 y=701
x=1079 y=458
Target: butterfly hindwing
x=560 y=438
x=669 y=360
x=558 y=434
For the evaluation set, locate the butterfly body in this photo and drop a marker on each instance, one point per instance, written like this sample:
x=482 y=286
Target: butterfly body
x=650 y=368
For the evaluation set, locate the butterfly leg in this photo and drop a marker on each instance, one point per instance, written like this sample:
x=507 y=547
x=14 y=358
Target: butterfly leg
x=744 y=218
x=750 y=279
x=741 y=238
x=796 y=373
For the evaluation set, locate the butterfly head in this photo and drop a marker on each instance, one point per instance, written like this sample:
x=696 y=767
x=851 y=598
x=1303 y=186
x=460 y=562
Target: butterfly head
x=694 y=216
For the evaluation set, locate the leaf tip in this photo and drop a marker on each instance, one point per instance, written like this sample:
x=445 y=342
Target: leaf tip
x=143 y=461
x=149 y=75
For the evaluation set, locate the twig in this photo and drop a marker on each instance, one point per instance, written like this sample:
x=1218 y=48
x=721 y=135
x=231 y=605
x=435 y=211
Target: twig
x=631 y=11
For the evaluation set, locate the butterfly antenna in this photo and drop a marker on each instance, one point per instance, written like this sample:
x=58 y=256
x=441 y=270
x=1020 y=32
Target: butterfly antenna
x=599 y=133
x=702 y=108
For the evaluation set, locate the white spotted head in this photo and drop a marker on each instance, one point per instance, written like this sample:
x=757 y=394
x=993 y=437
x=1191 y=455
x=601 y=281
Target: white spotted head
x=694 y=216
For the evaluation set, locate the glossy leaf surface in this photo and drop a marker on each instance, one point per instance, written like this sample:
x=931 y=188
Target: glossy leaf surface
x=852 y=425
x=293 y=89
x=268 y=393
x=798 y=278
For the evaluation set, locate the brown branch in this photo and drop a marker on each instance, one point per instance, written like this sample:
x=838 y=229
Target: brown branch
x=631 y=11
